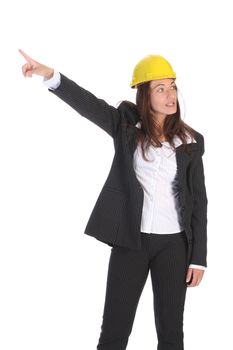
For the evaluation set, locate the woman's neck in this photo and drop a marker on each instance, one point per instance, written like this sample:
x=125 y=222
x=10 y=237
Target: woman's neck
x=162 y=139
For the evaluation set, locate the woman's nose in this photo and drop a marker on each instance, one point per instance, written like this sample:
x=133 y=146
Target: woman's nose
x=170 y=93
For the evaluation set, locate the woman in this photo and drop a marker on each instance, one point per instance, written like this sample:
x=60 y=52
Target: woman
x=152 y=209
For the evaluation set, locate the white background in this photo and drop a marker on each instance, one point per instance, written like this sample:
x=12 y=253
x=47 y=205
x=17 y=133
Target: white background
x=53 y=164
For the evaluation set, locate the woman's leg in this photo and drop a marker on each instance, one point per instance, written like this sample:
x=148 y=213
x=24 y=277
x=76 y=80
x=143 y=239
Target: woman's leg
x=168 y=273
x=127 y=273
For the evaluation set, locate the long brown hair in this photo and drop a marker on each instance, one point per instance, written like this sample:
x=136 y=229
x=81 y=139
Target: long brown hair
x=150 y=132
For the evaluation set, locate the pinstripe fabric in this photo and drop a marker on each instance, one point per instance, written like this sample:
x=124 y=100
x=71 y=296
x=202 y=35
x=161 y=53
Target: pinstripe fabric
x=164 y=256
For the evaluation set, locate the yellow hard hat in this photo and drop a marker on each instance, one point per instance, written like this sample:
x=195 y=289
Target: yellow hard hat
x=151 y=67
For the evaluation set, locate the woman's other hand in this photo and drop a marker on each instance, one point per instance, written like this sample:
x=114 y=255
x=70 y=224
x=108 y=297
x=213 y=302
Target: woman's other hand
x=194 y=277
x=34 y=67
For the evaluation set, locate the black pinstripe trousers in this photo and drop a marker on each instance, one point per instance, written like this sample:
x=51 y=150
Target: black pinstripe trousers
x=165 y=256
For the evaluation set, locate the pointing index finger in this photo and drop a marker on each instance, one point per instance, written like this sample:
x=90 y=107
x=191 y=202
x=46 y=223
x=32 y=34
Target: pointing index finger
x=27 y=58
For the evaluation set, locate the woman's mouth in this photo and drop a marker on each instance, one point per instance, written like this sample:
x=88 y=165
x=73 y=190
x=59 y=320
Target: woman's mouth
x=170 y=104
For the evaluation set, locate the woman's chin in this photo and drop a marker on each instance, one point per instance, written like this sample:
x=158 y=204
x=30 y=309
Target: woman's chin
x=171 y=111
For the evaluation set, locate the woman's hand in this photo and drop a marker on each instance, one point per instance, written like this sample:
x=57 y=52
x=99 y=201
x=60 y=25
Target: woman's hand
x=194 y=277
x=34 y=67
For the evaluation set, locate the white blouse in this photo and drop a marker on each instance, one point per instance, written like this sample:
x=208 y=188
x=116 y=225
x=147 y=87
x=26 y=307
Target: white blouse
x=158 y=178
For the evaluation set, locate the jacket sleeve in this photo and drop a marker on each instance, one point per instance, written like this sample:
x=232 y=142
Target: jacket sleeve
x=199 y=214
x=88 y=105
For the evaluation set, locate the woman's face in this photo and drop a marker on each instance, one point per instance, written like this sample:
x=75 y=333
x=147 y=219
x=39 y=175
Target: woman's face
x=163 y=95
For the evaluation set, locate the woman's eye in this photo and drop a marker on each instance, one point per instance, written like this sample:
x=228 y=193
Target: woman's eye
x=173 y=87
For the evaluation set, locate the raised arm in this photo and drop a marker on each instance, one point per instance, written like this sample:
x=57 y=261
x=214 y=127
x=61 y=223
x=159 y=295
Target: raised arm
x=88 y=105
x=84 y=102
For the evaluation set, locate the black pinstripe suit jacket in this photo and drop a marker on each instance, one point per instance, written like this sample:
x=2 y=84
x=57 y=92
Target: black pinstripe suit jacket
x=116 y=216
